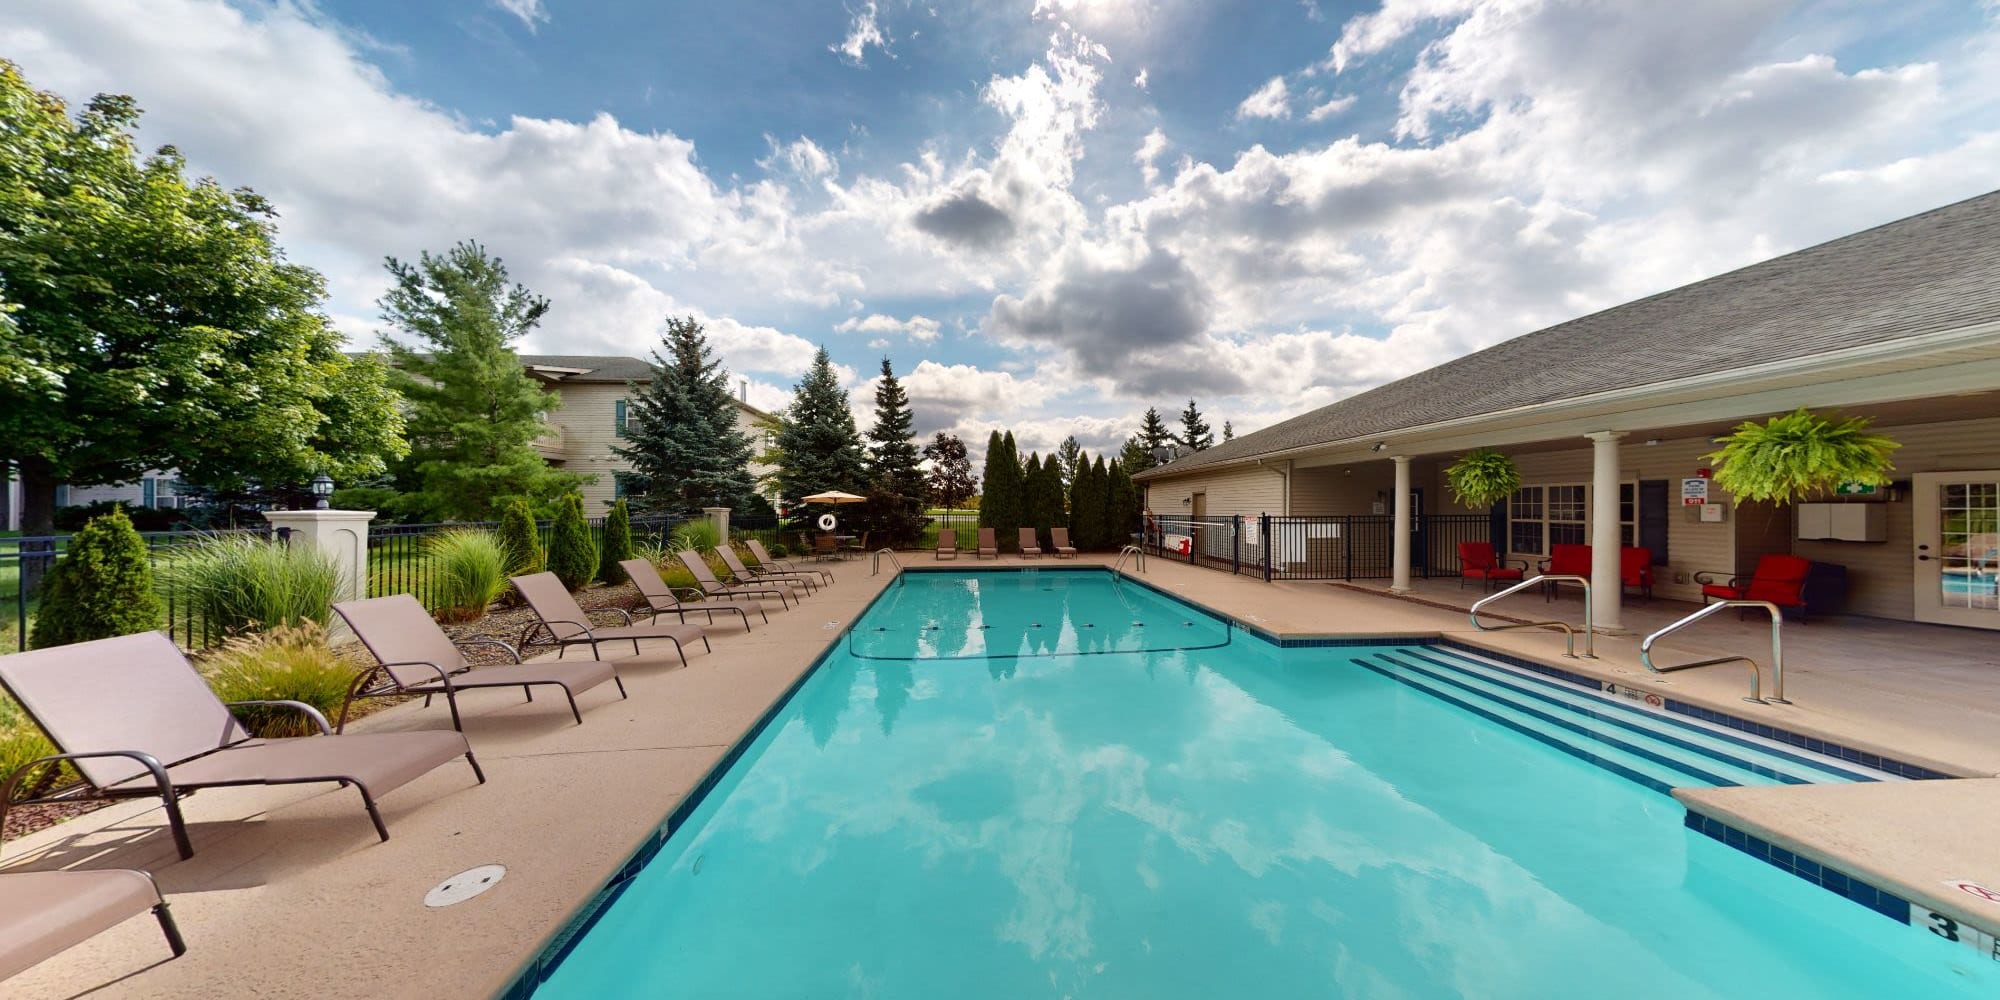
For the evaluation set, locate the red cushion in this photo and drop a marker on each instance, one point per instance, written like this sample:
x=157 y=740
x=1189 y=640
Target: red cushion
x=1497 y=573
x=1721 y=590
x=1569 y=560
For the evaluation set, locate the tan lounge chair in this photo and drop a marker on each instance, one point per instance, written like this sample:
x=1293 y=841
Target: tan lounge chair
x=566 y=624
x=662 y=599
x=43 y=914
x=947 y=543
x=1059 y=537
x=745 y=576
x=1031 y=547
x=136 y=720
x=414 y=656
x=988 y=545
x=712 y=587
x=784 y=565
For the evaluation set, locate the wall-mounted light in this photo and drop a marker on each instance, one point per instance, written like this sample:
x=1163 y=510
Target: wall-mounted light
x=1187 y=501
x=1379 y=445
x=1652 y=442
x=1347 y=472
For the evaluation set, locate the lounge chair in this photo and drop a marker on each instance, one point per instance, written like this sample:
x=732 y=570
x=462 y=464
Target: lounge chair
x=566 y=624
x=947 y=547
x=1476 y=561
x=1564 y=560
x=712 y=587
x=45 y=913
x=664 y=600
x=136 y=721
x=415 y=656
x=1059 y=538
x=764 y=559
x=1779 y=579
x=988 y=545
x=746 y=576
x=1030 y=545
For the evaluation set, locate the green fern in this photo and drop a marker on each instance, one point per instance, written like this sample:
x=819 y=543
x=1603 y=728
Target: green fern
x=1482 y=477
x=1800 y=454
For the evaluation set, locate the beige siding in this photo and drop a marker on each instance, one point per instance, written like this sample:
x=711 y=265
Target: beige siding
x=589 y=417
x=1330 y=490
x=1247 y=490
x=1881 y=575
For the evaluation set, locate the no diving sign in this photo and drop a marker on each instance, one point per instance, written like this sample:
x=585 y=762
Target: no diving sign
x=1975 y=889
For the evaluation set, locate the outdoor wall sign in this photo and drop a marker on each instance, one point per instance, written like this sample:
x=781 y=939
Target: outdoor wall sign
x=1694 y=492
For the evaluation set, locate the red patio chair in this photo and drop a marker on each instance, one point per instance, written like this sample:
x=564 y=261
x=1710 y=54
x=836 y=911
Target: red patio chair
x=1635 y=569
x=1564 y=560
x=1778 y=579
x=1476 y=561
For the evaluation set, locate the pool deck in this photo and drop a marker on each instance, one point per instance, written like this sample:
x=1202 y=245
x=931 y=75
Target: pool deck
x=290 y=894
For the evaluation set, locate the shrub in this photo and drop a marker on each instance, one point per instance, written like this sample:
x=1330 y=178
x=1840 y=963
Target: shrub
x=699 y=535
x=778 y=550
x=572 y=553
x=380 y=499
x=471 y=569
x=286 y=662
x=520 y=539
x=102 y=586
x=235 y=583
x=616 y=543
x=143 y=518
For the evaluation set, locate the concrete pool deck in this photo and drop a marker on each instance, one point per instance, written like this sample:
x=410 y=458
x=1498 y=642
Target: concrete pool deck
x=290 y=894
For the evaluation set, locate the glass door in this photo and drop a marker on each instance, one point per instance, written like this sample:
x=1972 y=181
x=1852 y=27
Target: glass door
x=1958 y=548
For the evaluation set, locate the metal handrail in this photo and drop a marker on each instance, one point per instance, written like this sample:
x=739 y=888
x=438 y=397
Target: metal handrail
x=1756 y=675
x=1130 y=550
x=875 y=565
x=1569 y=631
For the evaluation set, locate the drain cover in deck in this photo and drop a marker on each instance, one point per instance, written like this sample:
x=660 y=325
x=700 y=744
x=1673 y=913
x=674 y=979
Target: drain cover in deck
x=464 y=885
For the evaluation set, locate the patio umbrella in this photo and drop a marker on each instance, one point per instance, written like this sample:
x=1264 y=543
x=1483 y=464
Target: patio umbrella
x=833 y=496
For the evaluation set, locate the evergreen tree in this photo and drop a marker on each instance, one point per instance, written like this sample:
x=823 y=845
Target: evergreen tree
x=1134 y=457
x=817 y=442
x=1122 y=506
x=684 y=446
x=950 y=483
x=572 y=553
x=1194 y=435
x=892 y=445
x=1228 y=431
x=1109 y=534
x=1067 y=454
x=1057 y=509
x=616 y=544
x=473 y=413
x=1039 y=493
x=1153 y=432
x=521 y=539
x=1086 y=506
x=103 y=587
x=1001 y=506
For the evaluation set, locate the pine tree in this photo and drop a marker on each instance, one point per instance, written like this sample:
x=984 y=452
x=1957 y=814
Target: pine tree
x=572 y=553
x=1039 y=492
x=1153 y=432
x=1000 y=507
x=1109 y=533
x=616 y=544
x=685 y=449
x=817 y=442
x=1056 y=510
x=1121 y=507
x=102 y=587
x=521 y=539
x=950 y=483
x=892 y=445
x=1067 y=454
x=1086 y=506
x=1194 y=434
x=473 y=413
x=1228 y=431
x=1134 y=457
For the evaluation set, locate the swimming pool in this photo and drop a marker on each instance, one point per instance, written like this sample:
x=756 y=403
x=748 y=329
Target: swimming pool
x=1027 y=784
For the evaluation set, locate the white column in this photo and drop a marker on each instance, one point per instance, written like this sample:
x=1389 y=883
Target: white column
x=342 y=534
x=720 y=515
x=1399 y=581
x=1606 y=589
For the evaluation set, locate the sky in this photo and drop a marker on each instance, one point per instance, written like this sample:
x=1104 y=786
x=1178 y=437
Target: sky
x=1052 y=214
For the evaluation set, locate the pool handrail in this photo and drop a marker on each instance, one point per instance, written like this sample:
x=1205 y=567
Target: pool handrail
x=1569 y=631
x=875 y=566
x=1137 y=551
x=1756 y=674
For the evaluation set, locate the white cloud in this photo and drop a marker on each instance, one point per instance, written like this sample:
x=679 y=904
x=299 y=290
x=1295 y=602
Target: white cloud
x=1331 y=108
x=531 y=12
x=1141 y=80
x=919 y=328
x=1149 y=152
x=1271 y=100
x=801 y=157
x=862 y=32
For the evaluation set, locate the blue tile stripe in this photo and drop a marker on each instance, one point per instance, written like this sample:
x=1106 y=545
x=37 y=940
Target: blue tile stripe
x=1826 y=877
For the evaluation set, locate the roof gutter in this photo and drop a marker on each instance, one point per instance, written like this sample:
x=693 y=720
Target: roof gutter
x=1930 y=343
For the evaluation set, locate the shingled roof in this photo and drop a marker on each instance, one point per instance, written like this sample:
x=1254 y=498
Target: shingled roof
x=1925 y=274
x=595 y=367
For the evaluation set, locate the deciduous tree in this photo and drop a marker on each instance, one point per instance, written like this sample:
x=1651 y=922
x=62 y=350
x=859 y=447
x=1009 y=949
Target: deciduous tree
x=950 y=482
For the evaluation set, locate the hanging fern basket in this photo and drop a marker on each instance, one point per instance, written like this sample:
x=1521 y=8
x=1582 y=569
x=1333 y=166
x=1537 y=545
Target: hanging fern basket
x=1482 y=478
x=1799 y=455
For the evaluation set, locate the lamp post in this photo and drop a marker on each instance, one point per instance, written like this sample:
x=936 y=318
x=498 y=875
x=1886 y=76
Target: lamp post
x=322 y=487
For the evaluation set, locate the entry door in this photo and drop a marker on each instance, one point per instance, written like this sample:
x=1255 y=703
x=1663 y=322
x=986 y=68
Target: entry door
x=1199 y=510
x=1958 y=548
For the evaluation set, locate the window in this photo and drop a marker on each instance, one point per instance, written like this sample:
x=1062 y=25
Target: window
x=1628 y=514
x=62 y=496
x=1568 y=510
x=625 y=484
x=1559 y=514
x=1524 y=521
x=149 y=492
x=620 y=418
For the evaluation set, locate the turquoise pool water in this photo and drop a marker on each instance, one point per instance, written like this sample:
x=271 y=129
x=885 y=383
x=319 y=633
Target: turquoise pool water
x=1009 y=785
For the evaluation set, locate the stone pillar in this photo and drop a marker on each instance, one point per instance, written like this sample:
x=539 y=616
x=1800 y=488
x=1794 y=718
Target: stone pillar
x=1607 y=589
x=720 y=515
x=343 y=534
x=1399 y=582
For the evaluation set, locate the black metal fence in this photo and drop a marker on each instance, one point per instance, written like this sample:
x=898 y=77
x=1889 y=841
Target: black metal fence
x=25 y=564
x=1343 y=547
x=401 y=561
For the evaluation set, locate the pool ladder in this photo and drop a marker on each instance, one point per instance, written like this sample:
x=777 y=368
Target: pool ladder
x=876 y=564
x=1569 y=631
x=1133 y=551
x=1756 y=675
